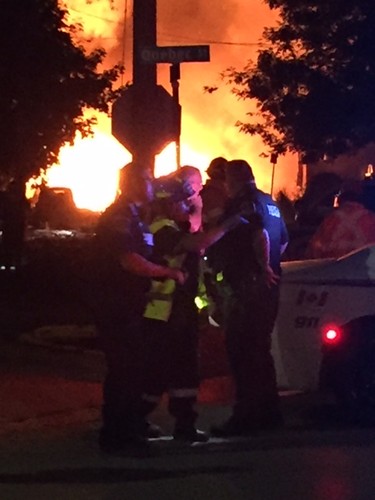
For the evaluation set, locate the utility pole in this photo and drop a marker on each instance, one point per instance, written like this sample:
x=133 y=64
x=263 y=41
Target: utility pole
x=174 y=76
x=144 y=75
x=273 y=162
x=146 y=117
x=300 y=171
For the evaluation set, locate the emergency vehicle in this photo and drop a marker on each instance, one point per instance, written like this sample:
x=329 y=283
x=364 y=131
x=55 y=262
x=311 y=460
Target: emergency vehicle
x=324 y=337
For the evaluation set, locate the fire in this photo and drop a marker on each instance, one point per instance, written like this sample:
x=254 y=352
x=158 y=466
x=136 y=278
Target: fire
x=90 y=168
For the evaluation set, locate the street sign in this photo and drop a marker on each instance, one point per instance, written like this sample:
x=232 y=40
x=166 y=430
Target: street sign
x=175 y=55
x=146 y=119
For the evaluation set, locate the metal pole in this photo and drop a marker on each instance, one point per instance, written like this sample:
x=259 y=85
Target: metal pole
x=300 y=176
x=273 y=161
x=144 y=75
x=273 y=176
x=144 y=34
x=174 y=73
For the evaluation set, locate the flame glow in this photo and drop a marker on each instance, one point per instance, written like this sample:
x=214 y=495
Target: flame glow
x=90 y=168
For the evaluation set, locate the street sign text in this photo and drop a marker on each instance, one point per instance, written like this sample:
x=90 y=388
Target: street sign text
x=175 y=55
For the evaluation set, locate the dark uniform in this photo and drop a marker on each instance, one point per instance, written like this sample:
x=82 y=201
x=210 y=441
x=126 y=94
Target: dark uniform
x=275 y=226
x=120 y=302
x=172 y=340
x=252 y=310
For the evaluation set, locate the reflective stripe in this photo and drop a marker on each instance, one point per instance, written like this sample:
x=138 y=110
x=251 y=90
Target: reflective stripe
x=160 y=302
x=158 y=224
x=219 y=277
x=158 y=309
x=161 y=288
x=201 y=302
x=183 y=393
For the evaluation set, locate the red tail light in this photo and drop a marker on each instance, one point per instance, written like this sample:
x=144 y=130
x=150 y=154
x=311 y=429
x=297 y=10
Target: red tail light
x=331 y=335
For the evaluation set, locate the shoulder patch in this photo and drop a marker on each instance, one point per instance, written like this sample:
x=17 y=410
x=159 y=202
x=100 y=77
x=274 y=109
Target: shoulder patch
x=148 y=239
x=273 y=211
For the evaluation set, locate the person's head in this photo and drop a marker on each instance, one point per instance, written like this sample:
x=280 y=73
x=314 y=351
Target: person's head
x=216 y=169
x=193 y=176
x=238 y=175
x=135 y=183
x=172 y=199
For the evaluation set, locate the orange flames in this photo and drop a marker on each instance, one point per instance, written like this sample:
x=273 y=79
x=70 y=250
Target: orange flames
x=90 y=168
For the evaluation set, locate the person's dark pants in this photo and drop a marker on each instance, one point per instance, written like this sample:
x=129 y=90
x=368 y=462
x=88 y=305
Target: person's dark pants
x=172 y=364
x=248 y=341
x=122 y=342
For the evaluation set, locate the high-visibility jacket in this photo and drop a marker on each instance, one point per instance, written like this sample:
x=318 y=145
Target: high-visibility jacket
x=159 y=306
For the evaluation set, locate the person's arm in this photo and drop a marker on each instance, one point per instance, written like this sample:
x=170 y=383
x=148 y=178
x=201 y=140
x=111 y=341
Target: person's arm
x=261 y=245
x=198 y=242
x=136 y=264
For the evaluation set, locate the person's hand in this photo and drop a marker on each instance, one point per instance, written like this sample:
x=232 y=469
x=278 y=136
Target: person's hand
x=177 y=275
x=270 y=277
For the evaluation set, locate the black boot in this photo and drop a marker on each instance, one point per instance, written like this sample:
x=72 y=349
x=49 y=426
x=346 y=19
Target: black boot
x=149 y=430
x=189 y=434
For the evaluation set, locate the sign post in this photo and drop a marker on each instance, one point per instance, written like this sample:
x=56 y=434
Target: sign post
x=146 y=117
x=174 y=76
x=144 y=84
x=174 y=55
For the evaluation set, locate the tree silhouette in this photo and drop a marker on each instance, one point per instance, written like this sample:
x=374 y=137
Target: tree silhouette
x=314 y=78
x=47 y=83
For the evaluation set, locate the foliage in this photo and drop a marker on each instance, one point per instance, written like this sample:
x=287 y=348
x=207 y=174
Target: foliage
x=286 y=206
x=47 y=83
x=314 y=78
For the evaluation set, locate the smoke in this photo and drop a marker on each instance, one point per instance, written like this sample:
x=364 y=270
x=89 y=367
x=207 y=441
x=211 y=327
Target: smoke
x=233 y=29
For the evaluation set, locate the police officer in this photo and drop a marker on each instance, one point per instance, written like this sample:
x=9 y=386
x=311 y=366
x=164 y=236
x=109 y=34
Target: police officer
x=124 y=247
x=252 y=277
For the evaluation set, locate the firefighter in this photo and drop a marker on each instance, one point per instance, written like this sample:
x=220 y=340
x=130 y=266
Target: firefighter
x=193 y=176
x=171 y=316
x=252 y=277
x=123 y=272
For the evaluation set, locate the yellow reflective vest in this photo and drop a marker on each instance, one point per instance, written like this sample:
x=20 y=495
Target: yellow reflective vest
x=159 y=306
